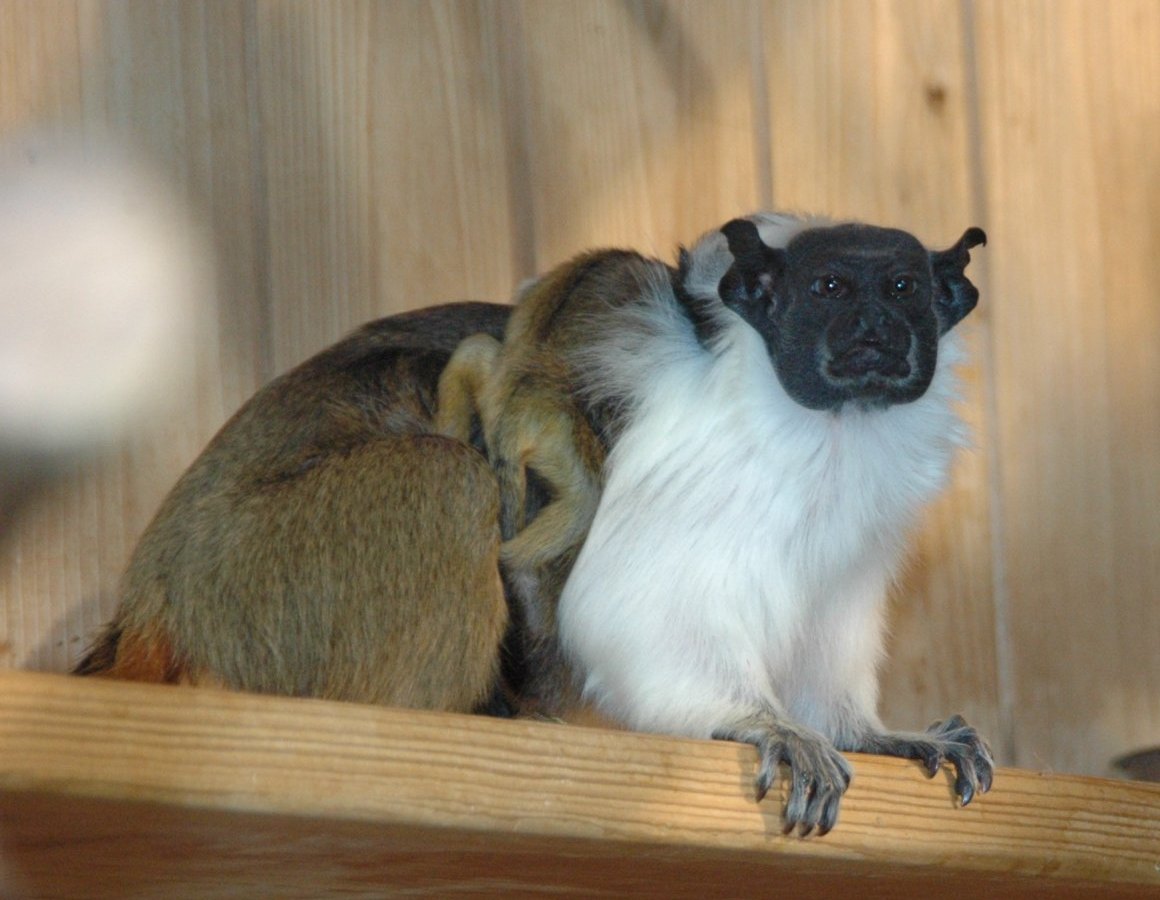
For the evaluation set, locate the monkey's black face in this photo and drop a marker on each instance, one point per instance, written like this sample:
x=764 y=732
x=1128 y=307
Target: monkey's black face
x=850 y=313
x=852 y=318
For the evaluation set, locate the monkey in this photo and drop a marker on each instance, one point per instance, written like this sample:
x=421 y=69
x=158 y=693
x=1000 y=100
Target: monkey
x=731 y=452
x=328 y=542
x=702 y=477
x=547 y=457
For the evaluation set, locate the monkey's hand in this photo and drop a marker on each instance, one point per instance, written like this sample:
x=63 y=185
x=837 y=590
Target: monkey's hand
x=819 y=774
x=952 y=741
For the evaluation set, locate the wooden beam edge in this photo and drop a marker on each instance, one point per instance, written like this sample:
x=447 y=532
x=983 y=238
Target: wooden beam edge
x=339 y=762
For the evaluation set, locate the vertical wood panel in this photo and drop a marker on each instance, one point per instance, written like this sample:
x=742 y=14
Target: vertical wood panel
x=639 y=122
x=869 y=119
x=40 y=87
x=40 y=63
x=1070 y=101
x=167 y=81
x=385 y=163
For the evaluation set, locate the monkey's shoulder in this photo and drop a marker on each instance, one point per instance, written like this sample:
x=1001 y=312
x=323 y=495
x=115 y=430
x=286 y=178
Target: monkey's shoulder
x=567 y=305
x=380 y=381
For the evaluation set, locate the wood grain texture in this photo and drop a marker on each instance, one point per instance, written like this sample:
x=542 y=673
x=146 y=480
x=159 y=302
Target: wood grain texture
x=869 y=120
x=384 y=158
x=1070 y=117
x=40 y=77
x=165 y=81
x=639 y=122
x=204 y=793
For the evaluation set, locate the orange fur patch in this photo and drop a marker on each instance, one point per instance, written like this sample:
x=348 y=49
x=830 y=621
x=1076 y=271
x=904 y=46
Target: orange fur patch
x=146 y=657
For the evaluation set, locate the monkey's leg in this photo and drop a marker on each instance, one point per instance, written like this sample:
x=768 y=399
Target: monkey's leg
x=538 y=432
x=410 y=574
x=133 y=654
x=462 y=385
x=952 y=741
x=819 y=774
x=369 y=575
x=853 y=649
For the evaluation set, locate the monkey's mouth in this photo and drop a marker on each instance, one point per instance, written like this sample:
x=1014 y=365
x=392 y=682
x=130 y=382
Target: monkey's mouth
x=869 y=361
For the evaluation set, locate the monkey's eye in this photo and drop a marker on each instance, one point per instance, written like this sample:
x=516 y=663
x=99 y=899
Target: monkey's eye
x=828 y=286
x=903 y=286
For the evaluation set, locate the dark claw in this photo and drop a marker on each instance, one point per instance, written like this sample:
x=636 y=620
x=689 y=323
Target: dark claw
x=932 y=761
x=767 y=769
x=952 y=741
x=986 y=777
x=969 y=754
x=964 y=789
x=818 y=773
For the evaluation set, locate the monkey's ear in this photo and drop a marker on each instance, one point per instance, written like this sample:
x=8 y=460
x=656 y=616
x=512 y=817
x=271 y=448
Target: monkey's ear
x=954 y=295
x=756 y=266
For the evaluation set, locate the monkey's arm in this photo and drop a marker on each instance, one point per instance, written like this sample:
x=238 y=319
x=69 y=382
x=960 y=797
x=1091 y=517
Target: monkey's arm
x=530 y=424
x=540 y=431
x=669 y=689
x=846 y=686
x=463 y=385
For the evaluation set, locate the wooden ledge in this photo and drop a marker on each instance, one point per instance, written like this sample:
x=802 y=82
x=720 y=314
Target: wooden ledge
x=117 y=790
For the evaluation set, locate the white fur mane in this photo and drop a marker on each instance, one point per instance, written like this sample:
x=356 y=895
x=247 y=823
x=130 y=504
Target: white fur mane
x=743 y=545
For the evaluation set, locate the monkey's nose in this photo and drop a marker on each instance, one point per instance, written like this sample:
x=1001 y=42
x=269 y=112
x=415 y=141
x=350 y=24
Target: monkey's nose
x=873 y=326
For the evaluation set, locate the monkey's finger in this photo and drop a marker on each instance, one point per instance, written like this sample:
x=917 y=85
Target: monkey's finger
x=829 y=816
x=931 y=757
x=943 y=727
x=822 y=810
x=846 y=773
x=977 y=751
x=984 y=766
x=766 y=770
x=986 y=771
x=967 y=777
x=762 y=784
x=796 y=807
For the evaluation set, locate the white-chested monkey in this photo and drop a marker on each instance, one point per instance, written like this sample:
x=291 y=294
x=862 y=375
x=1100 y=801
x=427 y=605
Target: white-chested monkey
x=732 y=453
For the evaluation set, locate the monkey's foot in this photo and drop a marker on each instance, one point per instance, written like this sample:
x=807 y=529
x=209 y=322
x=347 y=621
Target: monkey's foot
x=819 y=774
x=952 y=741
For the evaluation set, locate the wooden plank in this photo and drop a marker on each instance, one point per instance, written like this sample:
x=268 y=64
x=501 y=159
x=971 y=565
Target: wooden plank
x=191 y=792
x=1070 y=116
x=639 y=122
x=384 y=159
x=868 y=106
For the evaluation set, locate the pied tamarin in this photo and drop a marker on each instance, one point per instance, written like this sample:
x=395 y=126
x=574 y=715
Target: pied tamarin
x=733 y=452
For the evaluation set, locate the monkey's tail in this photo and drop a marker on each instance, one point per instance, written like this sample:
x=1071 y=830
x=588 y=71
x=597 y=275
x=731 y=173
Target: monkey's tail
x=102 y=655
x=134 y=655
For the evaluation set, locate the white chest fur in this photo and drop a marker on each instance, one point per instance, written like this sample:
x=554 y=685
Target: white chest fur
x=743 y=544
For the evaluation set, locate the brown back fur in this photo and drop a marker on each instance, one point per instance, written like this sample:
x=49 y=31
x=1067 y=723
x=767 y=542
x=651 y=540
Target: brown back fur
x=326 y=542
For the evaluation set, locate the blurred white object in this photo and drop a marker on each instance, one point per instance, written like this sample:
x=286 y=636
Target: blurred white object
x=103 y=288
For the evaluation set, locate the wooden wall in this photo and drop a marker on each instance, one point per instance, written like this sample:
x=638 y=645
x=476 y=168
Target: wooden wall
x=353 y=159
